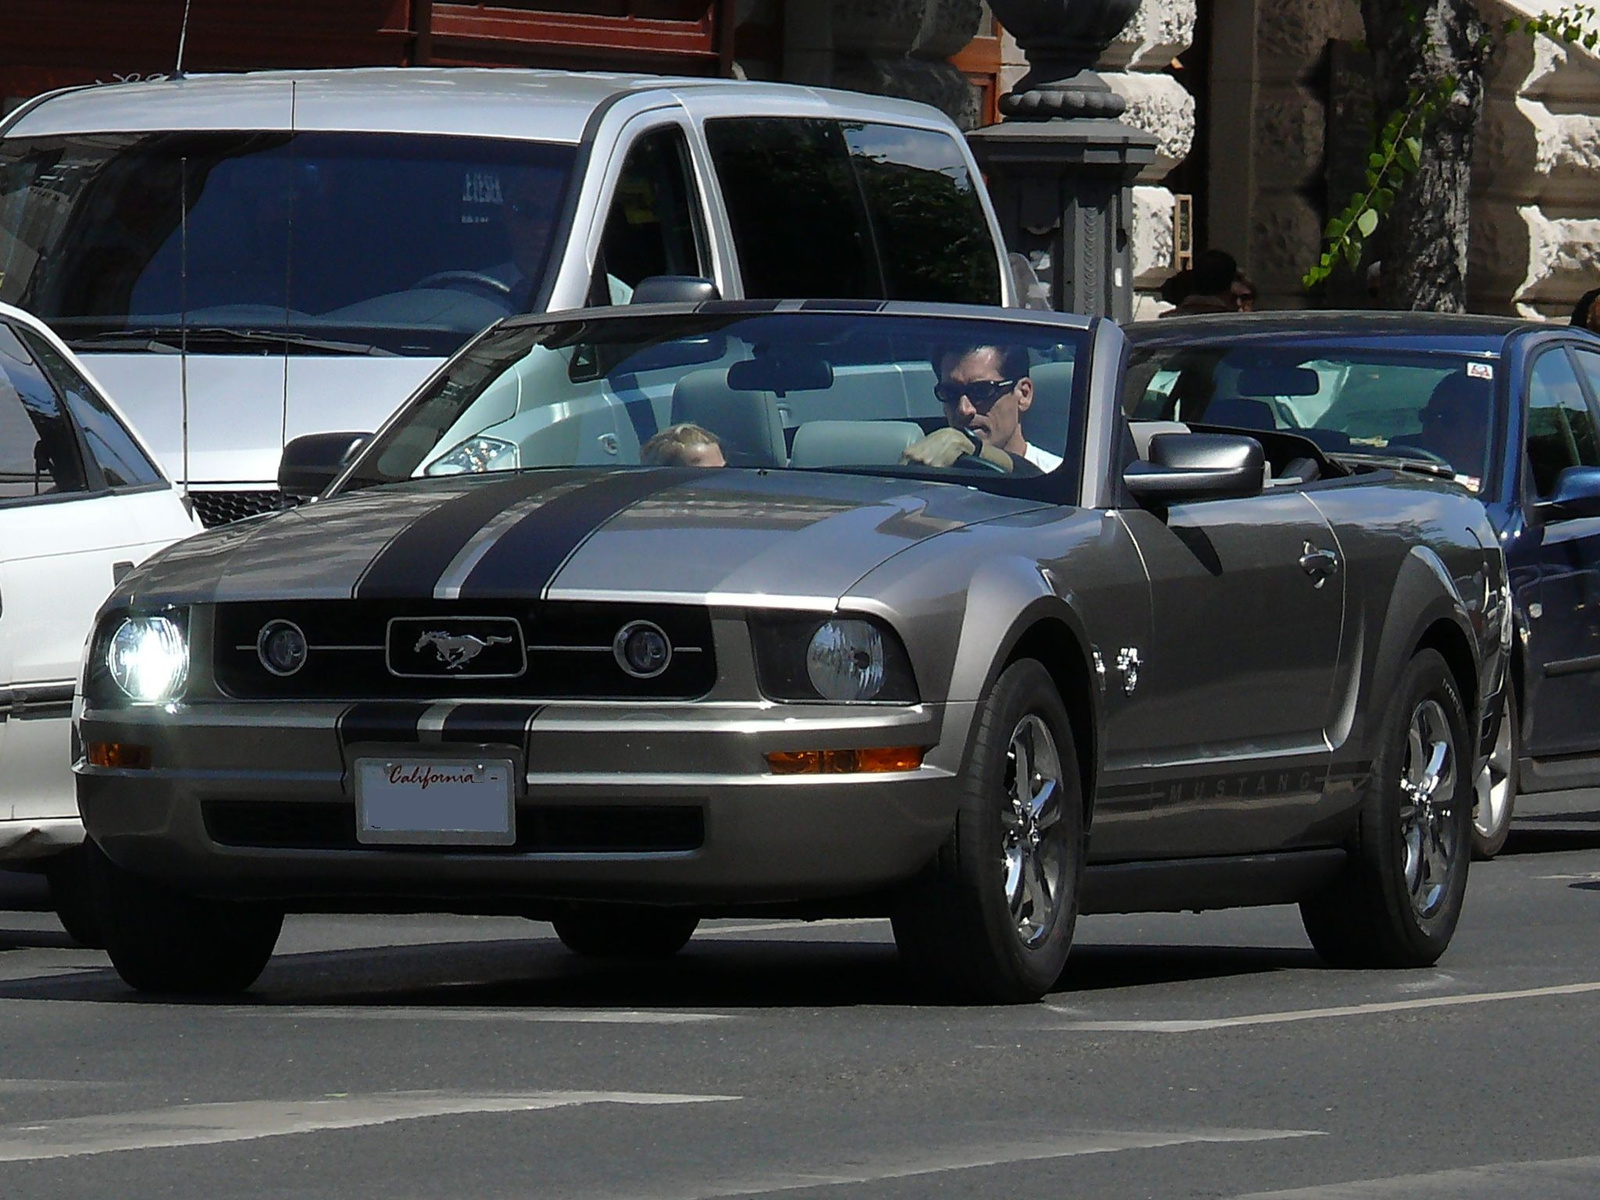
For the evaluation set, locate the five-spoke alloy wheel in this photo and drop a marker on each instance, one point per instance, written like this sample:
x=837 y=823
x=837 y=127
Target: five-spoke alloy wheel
x=991 y=918
x=1495 y=788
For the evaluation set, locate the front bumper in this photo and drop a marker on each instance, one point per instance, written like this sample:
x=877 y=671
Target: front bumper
x=672 y=804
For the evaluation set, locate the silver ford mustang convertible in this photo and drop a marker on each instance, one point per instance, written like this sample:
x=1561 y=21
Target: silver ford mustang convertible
x=638 y=616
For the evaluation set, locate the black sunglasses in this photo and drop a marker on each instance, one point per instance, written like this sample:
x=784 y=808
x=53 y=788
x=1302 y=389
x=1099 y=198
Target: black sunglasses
x=983 y=393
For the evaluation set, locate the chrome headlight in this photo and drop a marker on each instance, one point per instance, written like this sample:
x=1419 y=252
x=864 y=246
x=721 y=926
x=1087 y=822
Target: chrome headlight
x=838 y=659
x=475 y=456
x=148 y=659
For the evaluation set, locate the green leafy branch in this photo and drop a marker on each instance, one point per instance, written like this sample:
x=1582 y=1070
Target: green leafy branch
x=1396 y=152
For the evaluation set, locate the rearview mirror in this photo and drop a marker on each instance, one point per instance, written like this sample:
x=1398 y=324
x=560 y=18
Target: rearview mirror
x=780 y=373
x=310 y=463
x=1197 y=466
x=1577 y=494
x=1279 y=381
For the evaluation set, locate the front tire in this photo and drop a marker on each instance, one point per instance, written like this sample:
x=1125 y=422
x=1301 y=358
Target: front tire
x=1399 y=900
x=161 y=940
x=992 y=917
x=623 y=931
x=1495 y=789
x=68 y=879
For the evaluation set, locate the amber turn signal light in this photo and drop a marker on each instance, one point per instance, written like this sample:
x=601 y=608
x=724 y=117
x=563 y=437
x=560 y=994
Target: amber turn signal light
x=845 y=762
x=125 y=755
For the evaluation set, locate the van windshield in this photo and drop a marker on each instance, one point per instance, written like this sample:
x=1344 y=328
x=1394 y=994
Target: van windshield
x=252 y=243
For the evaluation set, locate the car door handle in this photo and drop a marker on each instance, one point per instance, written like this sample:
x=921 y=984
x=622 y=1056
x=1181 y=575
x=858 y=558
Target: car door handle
x=1318 y=563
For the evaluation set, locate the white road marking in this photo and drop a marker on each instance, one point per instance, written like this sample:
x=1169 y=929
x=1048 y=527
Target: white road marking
x=1581 y=876
x=1322 y=1014
x=1552 y=1179
x=990 y=1155
x=776 y=926
x=248 y=1120
x=547 y=1016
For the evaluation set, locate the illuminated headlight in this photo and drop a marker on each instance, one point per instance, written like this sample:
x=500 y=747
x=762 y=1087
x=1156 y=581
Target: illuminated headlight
x=845 y=660
x=838 y=659
x=148 y=658
x=475 y=456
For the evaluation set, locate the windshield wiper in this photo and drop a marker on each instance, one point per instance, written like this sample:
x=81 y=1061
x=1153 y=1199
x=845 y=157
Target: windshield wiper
x=1398 y=462
x=171 y=338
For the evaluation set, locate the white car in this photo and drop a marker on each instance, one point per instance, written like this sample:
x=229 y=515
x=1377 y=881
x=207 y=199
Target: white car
x=81 y=502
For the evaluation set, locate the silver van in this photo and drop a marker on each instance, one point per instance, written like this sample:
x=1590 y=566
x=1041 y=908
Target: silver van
x=243 y=259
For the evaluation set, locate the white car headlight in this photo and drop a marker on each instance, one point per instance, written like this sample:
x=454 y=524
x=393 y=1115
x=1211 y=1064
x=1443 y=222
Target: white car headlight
x=845 y=660
x=148 y=658
x=475 y=456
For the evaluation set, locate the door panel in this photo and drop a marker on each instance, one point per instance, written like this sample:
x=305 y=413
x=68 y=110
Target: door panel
x=1237 y=684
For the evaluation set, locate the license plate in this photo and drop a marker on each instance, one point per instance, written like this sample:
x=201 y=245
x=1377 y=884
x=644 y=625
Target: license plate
x=435 y=802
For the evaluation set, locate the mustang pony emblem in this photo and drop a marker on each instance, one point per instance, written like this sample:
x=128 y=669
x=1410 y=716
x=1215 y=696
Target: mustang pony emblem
x=456 y=650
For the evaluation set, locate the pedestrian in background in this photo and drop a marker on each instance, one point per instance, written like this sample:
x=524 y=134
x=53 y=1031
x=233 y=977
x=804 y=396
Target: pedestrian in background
x=1211 y=290
x=1585 y=313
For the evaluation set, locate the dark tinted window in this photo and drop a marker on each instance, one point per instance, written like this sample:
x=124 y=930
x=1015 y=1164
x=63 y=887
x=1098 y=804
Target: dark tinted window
x=653 y=227
x=932 y=235
x=38 y=451
x=1561 y=429
x=398 y=240
x=121 y=461
x=799 y=224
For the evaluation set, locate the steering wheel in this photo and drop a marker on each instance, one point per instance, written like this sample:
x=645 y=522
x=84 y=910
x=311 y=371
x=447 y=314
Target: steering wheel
x=976 y=462
x=463 y=280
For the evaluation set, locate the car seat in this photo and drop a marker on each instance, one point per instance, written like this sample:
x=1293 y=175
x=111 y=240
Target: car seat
x=748 y=424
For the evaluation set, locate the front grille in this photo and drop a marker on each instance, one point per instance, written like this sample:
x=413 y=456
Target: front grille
x=331 y=825
x=219 y=508
x=566 y=649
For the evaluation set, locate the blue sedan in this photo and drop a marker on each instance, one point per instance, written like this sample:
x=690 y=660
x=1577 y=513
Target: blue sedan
x=1508 y=409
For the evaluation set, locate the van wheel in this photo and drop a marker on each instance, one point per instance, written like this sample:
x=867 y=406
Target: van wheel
x=992 y=917
x=1400 y=897
x=1495 y=789
x=162 y=940
x=624 y=931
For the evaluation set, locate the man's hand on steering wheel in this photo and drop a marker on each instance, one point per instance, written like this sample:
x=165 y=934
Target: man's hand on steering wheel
x=956 y=448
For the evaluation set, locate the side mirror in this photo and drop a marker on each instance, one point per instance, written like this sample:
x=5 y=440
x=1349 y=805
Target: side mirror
x=310 y=463
x=1577 y=494
x=674 y=289
x=1197 y=466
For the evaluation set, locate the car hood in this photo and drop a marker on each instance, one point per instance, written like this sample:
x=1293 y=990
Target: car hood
x=732 y=536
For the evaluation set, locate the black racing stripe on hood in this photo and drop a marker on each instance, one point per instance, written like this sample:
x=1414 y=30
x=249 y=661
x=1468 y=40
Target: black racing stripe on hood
x=527 y=556
x=419 y=554
x=380 y=721
x=504 y=724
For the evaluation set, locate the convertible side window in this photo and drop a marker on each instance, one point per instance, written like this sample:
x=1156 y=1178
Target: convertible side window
x=654 y=225
x=1561 y=429
x=38 y=450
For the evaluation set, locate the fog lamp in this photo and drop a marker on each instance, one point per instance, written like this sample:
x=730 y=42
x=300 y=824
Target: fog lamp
x=281 y=647
x=642 y=649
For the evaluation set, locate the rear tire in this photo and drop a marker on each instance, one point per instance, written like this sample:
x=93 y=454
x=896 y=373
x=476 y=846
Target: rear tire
x=1400 y=897
x=1495 y=789
x=625 y=931
x=992 y=917
x=161 y=940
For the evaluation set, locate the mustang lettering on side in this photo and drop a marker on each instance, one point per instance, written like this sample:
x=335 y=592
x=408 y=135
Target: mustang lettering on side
x=825 y=597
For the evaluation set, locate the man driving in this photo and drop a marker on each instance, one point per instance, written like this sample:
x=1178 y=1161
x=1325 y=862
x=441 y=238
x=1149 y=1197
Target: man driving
x=985 y=390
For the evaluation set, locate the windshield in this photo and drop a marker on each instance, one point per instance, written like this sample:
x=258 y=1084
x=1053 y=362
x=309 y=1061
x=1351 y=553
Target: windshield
x=332 y=242
x=1433 y=407
x=822 y=391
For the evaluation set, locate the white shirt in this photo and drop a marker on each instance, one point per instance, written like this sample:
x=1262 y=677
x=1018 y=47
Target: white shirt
x=1042 y=459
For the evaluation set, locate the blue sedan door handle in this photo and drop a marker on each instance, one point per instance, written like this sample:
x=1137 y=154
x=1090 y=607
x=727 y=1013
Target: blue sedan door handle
x=1318 y=563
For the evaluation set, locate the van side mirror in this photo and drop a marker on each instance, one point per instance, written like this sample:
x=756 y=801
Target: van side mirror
x=1197 y=466
x=310 y=463
x=674 y=289
x=1577 y=494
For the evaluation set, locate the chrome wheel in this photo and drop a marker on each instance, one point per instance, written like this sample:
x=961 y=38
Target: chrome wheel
x=1493 y=789
x=1034 y=850
x=1427 y=798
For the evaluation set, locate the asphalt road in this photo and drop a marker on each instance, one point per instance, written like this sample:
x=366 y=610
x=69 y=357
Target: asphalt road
x=1194 y=1055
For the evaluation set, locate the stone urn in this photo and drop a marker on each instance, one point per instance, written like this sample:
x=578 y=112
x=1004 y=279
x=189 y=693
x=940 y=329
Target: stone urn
x=1063 y=40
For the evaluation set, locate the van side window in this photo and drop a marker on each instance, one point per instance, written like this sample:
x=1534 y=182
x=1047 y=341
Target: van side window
x=654 y=225
x=796 y=213
x=932 y=234
x=38 y=451
x=121 y=461
x=1561 y=429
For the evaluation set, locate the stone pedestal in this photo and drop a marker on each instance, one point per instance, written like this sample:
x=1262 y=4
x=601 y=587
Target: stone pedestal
x=1063 y=192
